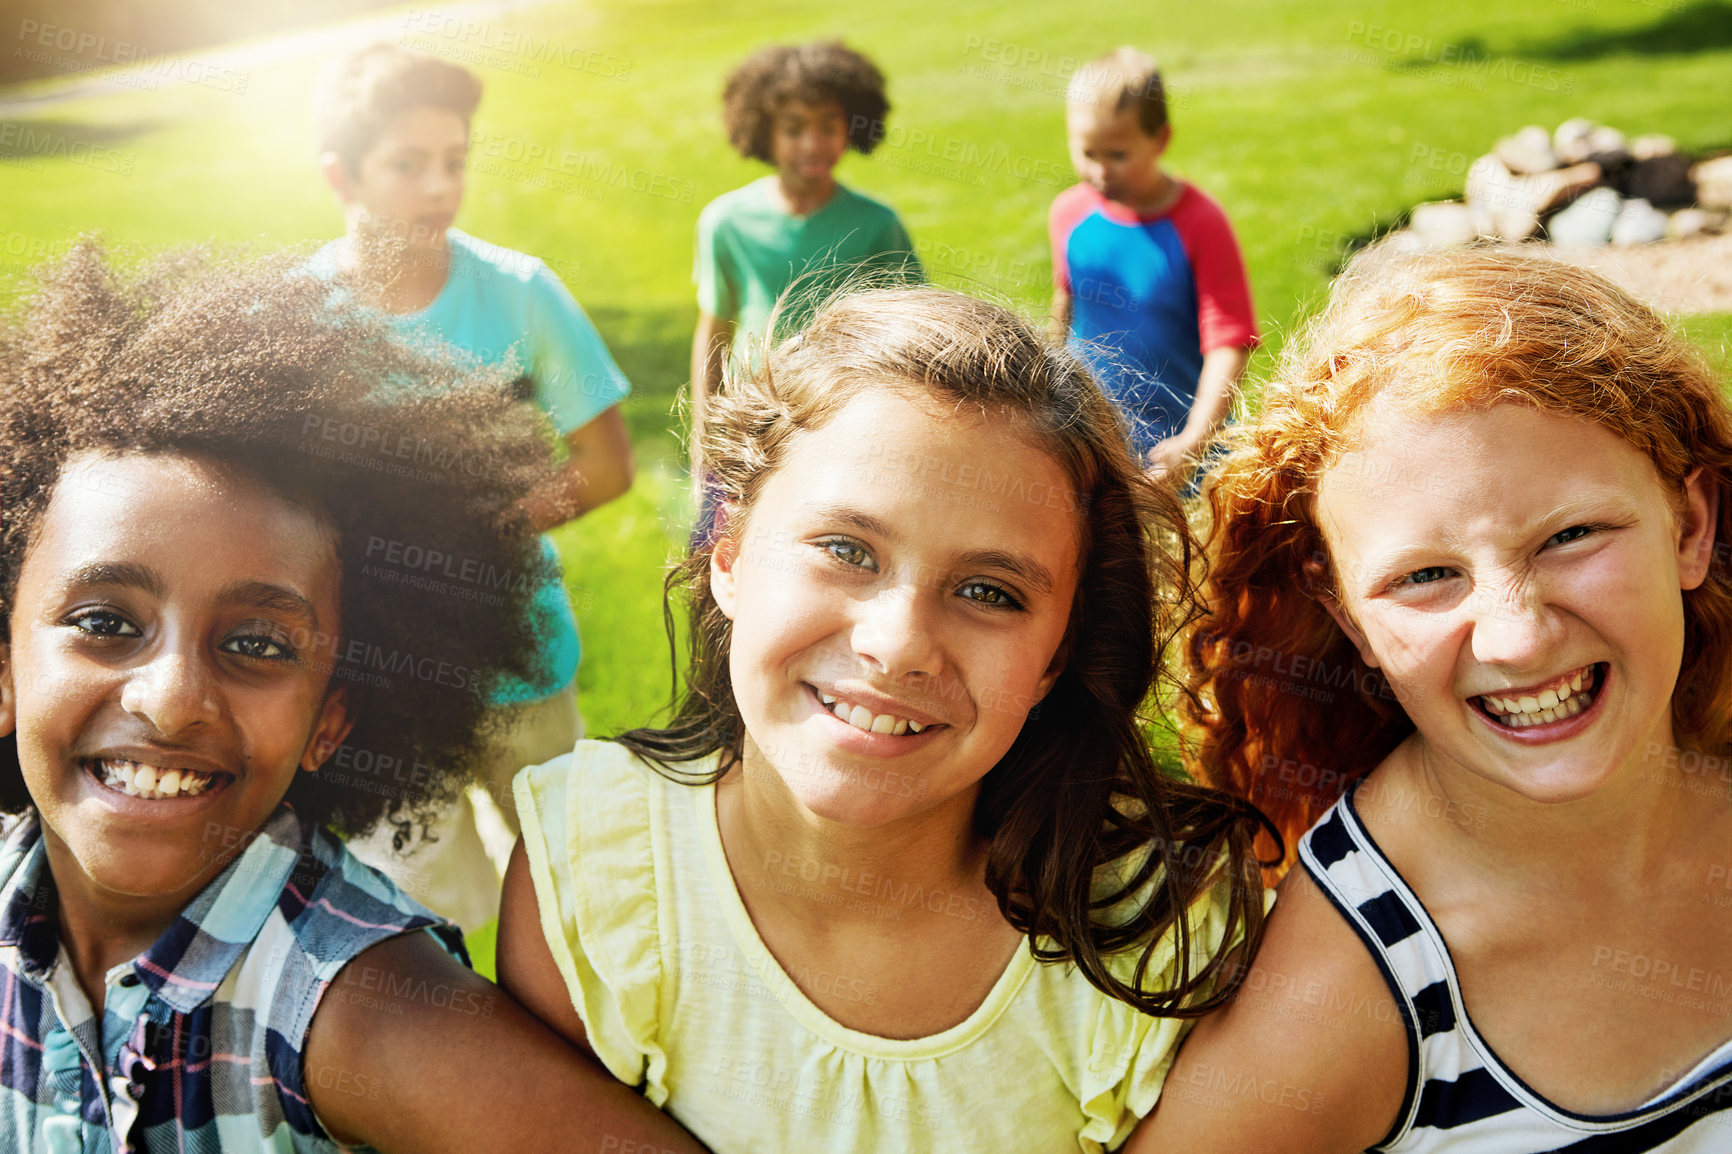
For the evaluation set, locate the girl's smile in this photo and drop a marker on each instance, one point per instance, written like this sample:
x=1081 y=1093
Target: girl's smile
x=884 y=612
x=1525 y=600
x=172 y=642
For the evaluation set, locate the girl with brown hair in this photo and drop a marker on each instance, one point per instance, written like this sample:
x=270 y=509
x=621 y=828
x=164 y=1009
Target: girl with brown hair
x=903 y=844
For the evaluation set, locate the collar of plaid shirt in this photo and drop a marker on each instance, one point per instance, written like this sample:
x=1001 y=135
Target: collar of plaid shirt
x=168 y=987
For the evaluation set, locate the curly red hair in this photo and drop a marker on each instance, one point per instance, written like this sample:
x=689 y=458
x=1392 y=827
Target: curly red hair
x=1430 y=332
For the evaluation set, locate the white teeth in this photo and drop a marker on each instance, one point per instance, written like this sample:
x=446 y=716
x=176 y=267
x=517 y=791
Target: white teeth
x=864 y=719
x=147 y=781
x=1554 y=703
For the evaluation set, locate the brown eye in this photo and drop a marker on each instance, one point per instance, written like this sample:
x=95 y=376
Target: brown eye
x=104 y=623
x=260 y=647
x=986 y=593
x=850 y=553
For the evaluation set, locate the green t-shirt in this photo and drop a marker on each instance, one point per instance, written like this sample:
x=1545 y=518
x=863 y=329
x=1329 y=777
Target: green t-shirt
x=750 y=250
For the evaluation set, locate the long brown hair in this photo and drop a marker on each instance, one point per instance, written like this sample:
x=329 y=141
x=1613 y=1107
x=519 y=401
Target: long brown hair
x=1284 y=711
x=1082 y=823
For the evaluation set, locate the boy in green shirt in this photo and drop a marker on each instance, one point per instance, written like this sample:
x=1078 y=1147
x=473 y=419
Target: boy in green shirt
x=798 y=107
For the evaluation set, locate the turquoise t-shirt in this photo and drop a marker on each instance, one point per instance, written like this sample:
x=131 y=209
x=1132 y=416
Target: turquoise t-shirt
x=504 y=306
x=750 y=250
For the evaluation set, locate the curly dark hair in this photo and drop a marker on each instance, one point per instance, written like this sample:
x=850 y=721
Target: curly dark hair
x=815 y=73
x=1083 y=825
x=405 y=456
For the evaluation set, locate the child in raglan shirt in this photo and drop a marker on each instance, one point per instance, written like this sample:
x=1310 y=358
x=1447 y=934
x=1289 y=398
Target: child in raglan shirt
x=1149 y=287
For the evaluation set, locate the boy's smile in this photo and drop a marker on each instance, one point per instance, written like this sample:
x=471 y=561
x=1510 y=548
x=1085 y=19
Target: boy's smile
x=171 y=645
x=1521 y=590
x=899 y=592
x=807 y=142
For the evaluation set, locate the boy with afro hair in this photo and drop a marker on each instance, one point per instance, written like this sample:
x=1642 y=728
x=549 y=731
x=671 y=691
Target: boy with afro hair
x=797 y=107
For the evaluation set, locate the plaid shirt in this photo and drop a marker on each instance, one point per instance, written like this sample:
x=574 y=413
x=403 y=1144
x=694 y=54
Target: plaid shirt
x=199 y=1045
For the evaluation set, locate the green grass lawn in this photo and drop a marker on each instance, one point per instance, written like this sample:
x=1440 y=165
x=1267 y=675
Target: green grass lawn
x=599 y=140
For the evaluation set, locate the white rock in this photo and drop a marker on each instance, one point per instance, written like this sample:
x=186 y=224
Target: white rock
x=1689 y=222
x=1570 y=141
x=1588 y=221
x=1638 y=223
x=1713 y=182
x=1443 y=224
x=1528 y=151
x=1508 y=205
x=1607 y=144
x=1651 y=145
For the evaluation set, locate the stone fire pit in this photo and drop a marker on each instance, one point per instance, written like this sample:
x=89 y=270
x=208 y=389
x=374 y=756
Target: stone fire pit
x=1638 y=210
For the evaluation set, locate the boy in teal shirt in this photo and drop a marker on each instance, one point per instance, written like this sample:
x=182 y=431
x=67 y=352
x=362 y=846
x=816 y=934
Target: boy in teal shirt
x=394 y=127
x=799 y=108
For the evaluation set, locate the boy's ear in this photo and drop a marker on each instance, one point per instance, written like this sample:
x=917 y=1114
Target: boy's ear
x=1164 y=137
x=336 y=174
x=335 y=722
x=724 y=556
x=1696 y=529
x=1350 y=627
x=8 y=710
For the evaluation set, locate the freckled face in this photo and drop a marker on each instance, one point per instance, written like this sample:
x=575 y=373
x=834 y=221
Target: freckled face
x=170 y=617
x=1521 y=588
x=899 y=594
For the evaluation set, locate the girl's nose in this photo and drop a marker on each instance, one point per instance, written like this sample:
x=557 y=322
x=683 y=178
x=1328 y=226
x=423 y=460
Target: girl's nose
x=1513 y=625
x=896 y=634
x=172 y=691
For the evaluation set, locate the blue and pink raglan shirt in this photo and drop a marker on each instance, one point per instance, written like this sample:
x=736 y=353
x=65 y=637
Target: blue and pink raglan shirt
x=1150 y=296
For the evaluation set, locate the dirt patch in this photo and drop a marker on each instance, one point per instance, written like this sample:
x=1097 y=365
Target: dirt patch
x=1686 y=277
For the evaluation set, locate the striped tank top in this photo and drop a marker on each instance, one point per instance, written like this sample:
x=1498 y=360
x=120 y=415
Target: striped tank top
x=1460 y=1096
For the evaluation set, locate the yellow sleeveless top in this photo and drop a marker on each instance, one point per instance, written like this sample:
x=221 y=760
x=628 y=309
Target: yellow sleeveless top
x=682 y=999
